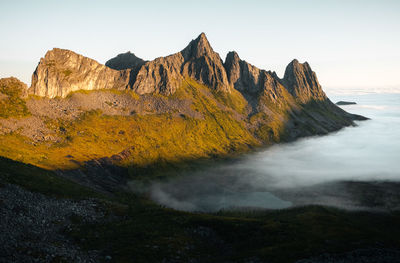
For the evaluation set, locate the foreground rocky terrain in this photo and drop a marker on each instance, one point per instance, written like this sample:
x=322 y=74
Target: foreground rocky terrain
x=32 y=227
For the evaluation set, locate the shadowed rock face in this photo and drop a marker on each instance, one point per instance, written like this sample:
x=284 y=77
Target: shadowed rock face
x=302 y=82
x=299 y=80
x=197 y=61
x=258 y=86
x=126 y=60
x=243 y=76
x=63 y=71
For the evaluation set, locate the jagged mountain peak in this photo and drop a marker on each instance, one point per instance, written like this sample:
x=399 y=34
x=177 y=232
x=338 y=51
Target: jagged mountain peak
x=231 y=57
x=302 y=82
x=197 y=48
x=296 y=65
x=204 y=65
x=125 y=61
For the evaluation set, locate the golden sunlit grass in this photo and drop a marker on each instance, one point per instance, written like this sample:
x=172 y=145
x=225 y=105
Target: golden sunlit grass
x=152 y=138
x=155 y=138
x=11 y=103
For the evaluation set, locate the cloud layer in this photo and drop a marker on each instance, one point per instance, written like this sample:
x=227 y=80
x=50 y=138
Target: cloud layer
x=309 y=171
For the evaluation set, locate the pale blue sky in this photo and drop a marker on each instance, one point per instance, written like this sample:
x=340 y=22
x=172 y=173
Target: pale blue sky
x=348 y=43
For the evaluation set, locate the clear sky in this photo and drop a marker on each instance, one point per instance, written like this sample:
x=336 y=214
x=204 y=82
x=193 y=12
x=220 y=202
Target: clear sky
x=348 y=43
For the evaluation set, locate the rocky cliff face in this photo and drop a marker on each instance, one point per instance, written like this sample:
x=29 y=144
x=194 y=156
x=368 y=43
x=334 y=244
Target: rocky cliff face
x=63 y=71
x=299 y=80
x=243 y=76
x=204 y=65
x=302 y=82
x=259 y=87
x=197 y=61
x=162 y=75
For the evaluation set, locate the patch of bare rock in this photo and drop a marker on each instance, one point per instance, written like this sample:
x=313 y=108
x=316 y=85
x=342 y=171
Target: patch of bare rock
x=32 y=127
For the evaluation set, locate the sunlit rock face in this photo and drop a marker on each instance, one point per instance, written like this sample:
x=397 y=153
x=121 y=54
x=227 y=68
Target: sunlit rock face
x=204 y=65
x=197 y=61
x=63 y=71
x=161 y=75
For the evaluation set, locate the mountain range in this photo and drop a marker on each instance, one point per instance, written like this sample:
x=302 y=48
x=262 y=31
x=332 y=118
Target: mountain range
x=185 y=106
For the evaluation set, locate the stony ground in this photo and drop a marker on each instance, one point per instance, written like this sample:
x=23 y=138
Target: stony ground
x=71 y=108
x=32 y=227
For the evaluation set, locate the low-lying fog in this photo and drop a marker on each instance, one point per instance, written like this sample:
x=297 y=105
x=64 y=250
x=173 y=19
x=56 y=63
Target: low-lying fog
x=355 y=168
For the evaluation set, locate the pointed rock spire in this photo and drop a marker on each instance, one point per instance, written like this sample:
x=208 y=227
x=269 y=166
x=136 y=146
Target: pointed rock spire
x=302 y=82
x=232 y=67
x=242 y=75
x=204 y=65
x=197 y=48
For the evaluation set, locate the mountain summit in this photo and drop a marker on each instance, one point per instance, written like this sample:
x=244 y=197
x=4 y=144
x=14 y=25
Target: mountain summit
x=197 y=61
x=197 y=48
x=62 y=71
x=302 y=82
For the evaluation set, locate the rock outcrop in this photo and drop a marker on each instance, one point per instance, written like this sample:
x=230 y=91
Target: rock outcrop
x=162 y=75
x=244 y=77
x=197 y=61
x=204 y=65
x=126 y=60
x=253 y=82
x=299 y=80
x=302 y=82
x=63 y=71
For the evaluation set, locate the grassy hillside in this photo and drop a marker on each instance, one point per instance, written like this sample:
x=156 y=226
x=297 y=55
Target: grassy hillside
x=152 y=138
x=11 y=103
